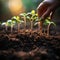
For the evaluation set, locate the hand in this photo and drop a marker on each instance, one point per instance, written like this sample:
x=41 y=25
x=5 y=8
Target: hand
x=45 y=8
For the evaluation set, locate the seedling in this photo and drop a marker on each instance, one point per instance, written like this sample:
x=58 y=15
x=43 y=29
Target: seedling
x=32 y=16
x=23 y=15
x=5 y=24
x=18 y=21
x=48 y=22
x=11 y=24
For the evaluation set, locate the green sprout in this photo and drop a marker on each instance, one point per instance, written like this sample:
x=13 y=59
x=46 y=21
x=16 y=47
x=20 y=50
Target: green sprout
x=32 y=16
x=4 y=24
x=48 y=22
x=23 y=15
x=11 y=24
x=38 y=23
x=18 y=21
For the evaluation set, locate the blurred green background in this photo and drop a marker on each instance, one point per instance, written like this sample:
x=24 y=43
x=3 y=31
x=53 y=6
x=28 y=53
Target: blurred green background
x=25 y=6
x=28 y=5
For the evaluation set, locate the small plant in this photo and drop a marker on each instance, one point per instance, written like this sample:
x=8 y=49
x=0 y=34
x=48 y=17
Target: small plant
x=11 y=24
x=37 y=23
x=32 y=16
x=48 y=22
x=18 y=21
x=4 y=24
x=23 y=15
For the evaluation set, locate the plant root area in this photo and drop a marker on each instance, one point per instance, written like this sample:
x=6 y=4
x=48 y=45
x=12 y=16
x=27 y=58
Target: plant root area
x=29 y=46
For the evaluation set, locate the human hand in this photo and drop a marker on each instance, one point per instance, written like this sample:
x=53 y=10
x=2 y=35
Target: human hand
x=46 y=9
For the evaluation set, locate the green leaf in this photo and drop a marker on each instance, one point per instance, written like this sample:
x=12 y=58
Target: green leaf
x=29 y=13
x=33 y=12
x=21 y=21
x=17 y=18
x=9 y=21
x=13 y=22
x=23 y=14
x=28 y=17
x=4 y=23
x=48 y=17
x=47 y=21
x=53 y=23
x=36 y=24
x=36 y=20
x=14 y=17
x=36 y=14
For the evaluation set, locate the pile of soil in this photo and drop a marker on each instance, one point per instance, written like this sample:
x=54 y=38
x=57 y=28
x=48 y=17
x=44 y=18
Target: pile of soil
x=29 y=46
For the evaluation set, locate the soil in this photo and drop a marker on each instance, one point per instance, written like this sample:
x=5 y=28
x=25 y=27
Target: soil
x=29 y=46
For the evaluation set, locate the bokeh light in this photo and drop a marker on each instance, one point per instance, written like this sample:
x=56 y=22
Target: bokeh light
x=15 y=6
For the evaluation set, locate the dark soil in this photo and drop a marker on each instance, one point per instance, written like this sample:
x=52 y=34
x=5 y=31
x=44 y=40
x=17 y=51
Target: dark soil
x=29 y=46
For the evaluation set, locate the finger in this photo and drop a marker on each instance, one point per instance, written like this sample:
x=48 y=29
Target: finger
x=42 y=8
x=49 y=10
x=52 y=13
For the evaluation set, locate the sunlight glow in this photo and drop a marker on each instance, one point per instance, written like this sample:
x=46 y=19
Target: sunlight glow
x=15 y=6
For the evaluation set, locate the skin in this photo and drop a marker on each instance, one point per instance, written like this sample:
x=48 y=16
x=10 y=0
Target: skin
x=45 y=8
